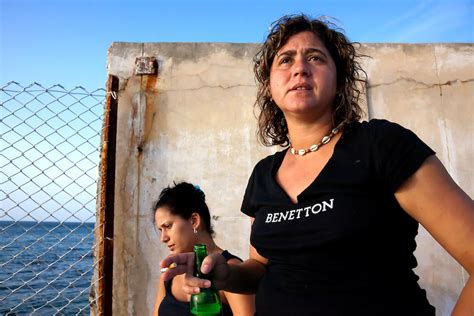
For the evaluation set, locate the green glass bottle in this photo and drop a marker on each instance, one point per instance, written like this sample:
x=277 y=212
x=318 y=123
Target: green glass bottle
x=207 y=302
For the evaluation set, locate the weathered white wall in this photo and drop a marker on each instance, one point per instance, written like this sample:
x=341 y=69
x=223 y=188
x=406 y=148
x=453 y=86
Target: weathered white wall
x=430 y=90
x=195 y=122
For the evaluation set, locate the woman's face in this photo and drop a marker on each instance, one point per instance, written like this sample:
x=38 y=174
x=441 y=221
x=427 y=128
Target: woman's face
x=303 y=76
x=176 y=232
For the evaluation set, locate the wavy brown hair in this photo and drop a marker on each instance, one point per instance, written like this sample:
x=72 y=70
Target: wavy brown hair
x=272 y=127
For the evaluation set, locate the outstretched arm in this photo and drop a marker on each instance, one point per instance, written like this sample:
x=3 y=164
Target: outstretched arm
x=242 y=278
x=432 y=197
x=241 y=304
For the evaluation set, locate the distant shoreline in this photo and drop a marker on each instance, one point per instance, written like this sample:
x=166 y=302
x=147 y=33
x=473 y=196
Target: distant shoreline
x=46 y=222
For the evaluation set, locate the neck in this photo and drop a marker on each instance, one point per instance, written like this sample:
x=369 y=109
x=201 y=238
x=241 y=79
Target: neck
x=303 y=134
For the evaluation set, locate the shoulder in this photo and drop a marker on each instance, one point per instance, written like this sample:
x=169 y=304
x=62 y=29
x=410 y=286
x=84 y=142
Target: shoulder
x=396 y=152
x=270 y=160
x=381 y=133
x=383 y=125
x=261 y=182
x=263 y=168
x=376 y=125
x=384 y=133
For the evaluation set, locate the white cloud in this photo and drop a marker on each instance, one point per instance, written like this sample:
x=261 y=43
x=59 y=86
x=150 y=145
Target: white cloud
x=429 y=21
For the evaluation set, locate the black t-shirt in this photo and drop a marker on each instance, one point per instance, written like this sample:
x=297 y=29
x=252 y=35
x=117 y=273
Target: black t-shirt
x=170 y=306
x=346 y=247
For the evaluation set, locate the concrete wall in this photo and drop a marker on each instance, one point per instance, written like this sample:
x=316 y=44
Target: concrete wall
x=195 y=122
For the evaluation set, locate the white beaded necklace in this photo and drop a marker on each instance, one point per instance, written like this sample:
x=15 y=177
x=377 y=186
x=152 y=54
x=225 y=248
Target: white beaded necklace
x=326 y=139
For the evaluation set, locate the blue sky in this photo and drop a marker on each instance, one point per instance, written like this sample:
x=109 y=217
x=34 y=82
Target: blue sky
x=66 y=41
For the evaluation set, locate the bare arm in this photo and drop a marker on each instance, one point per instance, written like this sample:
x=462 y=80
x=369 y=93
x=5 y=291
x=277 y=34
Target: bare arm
x=242 y=278
x=241 y=304
x=432 y=197
x=160 y=294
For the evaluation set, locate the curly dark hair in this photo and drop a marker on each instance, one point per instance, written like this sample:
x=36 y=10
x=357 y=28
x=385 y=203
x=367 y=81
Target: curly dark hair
x=272 y=126
x=184 y=199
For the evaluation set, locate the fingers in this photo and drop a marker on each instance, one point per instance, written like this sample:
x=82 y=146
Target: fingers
x=174 y=265
x=180 y=258
x=183 y=263
x=192 y=285
x=210 y=262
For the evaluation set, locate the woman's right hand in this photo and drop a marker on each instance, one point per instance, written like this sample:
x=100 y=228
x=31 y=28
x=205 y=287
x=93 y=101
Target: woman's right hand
x=214 y=264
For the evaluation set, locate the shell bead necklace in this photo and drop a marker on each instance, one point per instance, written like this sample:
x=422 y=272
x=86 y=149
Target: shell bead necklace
x=326 y=139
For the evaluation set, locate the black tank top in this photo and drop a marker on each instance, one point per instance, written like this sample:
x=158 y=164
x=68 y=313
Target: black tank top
x=170 y=306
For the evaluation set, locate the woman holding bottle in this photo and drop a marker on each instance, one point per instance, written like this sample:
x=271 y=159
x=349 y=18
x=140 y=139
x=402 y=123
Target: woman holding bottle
x=183 y=219
x=335 y=213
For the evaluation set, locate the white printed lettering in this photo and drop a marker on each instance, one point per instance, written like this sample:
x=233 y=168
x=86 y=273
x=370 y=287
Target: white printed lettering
x=292 y=215
x=314 y=206
x=317 y=208
x=327 y=204
x=275 y=217
x=283 y=216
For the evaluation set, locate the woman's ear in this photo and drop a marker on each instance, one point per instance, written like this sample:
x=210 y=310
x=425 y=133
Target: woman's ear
x=195 y=220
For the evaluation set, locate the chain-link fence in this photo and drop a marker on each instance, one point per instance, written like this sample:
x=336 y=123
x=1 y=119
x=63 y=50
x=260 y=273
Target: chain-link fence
x=49 y=156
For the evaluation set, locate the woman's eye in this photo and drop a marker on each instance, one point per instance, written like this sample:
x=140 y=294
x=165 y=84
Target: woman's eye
x=284 y=60
x=314 y=58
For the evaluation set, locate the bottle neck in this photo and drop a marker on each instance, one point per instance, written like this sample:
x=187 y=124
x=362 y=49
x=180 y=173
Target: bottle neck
x=200 y=252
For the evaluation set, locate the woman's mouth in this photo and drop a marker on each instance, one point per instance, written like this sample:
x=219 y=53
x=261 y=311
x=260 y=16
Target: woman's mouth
x=301 y=87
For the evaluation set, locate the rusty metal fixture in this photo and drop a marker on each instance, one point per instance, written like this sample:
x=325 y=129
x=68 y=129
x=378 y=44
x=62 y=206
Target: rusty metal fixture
x=106 y=197
x=146 y=66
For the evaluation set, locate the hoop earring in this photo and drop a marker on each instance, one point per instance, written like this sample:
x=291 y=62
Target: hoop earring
x=195 y=231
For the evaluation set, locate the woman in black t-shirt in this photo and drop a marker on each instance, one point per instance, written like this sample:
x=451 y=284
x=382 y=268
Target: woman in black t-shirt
x=183 y=219
x=335 y=214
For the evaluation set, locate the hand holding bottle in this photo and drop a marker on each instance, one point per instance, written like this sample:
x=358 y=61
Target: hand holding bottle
x=207 y=301
x=214 y=264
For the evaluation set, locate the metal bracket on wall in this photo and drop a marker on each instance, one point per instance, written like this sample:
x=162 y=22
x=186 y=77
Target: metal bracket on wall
x=146 y=66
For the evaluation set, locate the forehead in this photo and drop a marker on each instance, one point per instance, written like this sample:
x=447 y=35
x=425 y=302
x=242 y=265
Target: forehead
x=163 y=213
x=301 y=40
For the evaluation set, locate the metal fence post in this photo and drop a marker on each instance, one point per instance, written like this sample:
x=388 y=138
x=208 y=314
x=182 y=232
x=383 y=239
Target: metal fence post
x=106 y=198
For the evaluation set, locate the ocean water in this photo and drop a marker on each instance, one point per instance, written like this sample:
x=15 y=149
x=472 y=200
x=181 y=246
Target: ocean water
x=45 y=268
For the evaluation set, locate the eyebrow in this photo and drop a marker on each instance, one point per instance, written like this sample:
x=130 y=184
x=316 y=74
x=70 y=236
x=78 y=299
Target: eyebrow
x=163 y=224
x=292 y=52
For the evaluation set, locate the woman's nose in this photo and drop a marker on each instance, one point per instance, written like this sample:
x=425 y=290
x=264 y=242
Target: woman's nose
x=164 y=237
x=300 y=67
